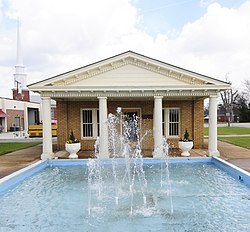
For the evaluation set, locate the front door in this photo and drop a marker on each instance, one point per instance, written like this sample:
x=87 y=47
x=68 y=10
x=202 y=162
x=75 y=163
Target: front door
x=131 y=123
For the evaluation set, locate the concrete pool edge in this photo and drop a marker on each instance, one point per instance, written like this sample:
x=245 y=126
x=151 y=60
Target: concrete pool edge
x=73 y=162
x=12 y=180
x=232 y=170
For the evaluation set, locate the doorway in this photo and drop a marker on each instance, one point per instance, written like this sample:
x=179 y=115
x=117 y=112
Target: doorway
x=131 y=119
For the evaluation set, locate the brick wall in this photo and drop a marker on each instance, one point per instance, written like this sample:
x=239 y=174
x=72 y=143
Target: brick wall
x=62 y=125
x=68 y=118
x=24 y=96
x=191 y=113
x=198 y=130
x=11 y=114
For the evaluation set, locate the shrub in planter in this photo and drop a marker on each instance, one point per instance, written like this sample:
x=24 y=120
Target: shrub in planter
x=186 y=144
x=72 y=146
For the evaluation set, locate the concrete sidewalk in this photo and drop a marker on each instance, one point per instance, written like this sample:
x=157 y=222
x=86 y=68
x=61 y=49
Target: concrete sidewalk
x=14 y=161
x=236 y=155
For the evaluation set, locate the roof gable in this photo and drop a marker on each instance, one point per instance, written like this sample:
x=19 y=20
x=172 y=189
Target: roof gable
x=128 y=75
x=128 y=71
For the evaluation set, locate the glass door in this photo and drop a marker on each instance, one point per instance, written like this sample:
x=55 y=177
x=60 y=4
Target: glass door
x=131 y=119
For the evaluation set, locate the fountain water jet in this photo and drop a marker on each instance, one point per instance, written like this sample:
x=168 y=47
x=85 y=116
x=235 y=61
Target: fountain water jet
x=128 y=176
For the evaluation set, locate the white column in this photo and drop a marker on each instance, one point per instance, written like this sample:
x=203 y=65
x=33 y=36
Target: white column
x=26 y=118
x=47 y=134
x=212 y=139
x=157 y=127
x=103 y=112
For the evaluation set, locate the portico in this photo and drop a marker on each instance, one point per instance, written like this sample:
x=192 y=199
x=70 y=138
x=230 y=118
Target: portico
x=167 y=98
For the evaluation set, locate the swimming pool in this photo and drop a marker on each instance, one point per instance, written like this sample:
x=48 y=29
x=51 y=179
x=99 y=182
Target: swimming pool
x=54 y=196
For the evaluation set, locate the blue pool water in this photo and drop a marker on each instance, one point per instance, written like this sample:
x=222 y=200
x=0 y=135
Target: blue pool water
x=204 y=197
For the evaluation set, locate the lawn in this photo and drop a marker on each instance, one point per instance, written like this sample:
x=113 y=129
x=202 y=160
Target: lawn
x=230 y=131
x=10 y=147
x=239 y=141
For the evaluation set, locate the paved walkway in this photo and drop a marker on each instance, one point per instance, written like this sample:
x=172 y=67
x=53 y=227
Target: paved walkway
x=236 y=155
x=14 y=161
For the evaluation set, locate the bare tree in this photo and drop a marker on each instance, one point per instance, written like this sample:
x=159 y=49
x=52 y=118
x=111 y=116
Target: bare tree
x=242 y=107
x=228 y=98
x=247 y=89
x=247 y=85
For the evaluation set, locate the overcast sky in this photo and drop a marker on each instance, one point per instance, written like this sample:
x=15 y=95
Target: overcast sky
x=206 y=36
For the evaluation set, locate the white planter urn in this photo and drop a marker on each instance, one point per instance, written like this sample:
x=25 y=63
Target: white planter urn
x=186 y=147
x=72 y=149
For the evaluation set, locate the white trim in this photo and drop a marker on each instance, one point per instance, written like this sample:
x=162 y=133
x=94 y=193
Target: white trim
x=128 y=92
x=68 y=88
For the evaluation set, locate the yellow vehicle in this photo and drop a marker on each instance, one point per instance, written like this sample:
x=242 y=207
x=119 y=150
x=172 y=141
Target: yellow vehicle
x=37 y=130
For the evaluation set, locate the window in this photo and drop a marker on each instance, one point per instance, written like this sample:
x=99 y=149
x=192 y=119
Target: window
x=90 y=123
x=171 y=122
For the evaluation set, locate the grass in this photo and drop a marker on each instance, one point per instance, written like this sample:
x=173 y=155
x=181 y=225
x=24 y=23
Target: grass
x=10 y=147
x=239 y=141
x=230 y=131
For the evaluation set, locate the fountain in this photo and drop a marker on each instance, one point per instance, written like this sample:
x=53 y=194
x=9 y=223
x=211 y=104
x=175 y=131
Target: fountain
x=126 y=192
x=127 y=178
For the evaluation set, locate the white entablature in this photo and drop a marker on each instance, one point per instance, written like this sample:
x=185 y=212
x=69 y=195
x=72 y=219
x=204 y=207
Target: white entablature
x=129 y=74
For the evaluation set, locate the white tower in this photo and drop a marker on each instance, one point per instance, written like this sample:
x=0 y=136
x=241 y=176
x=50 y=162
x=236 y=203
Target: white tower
x=20 y=90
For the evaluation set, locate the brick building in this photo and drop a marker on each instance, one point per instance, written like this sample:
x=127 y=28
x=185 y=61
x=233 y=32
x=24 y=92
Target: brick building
x=167 y=99
x=17 y=115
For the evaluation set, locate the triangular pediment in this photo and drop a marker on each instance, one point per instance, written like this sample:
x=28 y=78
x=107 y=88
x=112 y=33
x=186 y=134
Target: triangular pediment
x=127 y=70
x=126 y=75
